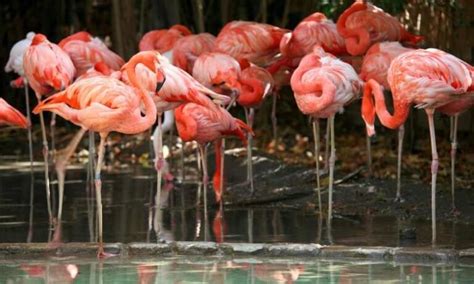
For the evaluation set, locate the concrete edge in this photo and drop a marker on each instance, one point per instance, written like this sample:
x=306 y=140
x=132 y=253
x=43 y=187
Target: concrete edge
x=421 y=255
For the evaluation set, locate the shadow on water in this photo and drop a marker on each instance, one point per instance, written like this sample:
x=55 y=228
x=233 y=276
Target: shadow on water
x=218 y=270
x=130 y=216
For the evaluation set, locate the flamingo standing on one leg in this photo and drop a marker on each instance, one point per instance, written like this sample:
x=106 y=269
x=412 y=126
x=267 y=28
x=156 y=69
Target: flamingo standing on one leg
x=323 y=85
x=90 y=57
x=204 y=124
x=375 y=66
x=15 y=64
x=430 y=79
x=47 y=68
x=104 y=104
x=364 y=24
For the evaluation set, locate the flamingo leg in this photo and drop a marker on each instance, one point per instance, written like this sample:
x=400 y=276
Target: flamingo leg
x=401 y=134
x=98 y=192
x=205 y=181
x=326 y=150
x=53 y=132
x=181 y=161
x=249 y=114
x=434 y=172
x=369 y=156
x=222 y=173
x=316 y=159
x=90 y=164
x=28 y=118
x=46 y=168
x=332 y=160
x=158 y=143
x=274 y=117
x=454 y=146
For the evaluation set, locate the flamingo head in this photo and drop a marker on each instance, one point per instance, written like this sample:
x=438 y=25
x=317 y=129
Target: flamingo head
x=150 y=59
x=39 y=38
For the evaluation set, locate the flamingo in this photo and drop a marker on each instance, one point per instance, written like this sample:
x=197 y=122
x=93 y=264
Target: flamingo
x=105 y=104
x=363 y=24
x=15 y=64
x=375 y=66
x=322 y=86
x=313 y=30
x=430 y=79
x=85 y=51
x=47 y=68
x=163 y=40
x=204 y=124
x=11 y=116
x=256 y=42
x=179 y=88
x=187 y=49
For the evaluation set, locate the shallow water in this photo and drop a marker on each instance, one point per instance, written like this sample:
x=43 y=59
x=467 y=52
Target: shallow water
x=129 y=216
x=215 y=270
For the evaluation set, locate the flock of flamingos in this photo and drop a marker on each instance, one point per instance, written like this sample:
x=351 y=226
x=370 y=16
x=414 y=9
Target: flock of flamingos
x=195 y=78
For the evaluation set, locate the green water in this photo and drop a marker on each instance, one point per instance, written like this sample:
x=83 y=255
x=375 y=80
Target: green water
x=218 y=270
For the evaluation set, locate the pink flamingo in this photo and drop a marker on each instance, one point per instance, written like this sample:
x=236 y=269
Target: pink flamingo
x=364 y=24
x=204 y=124
x=323 y=85
x=85 y=51
x=104 y=104
x=47 y=68
x=187 y=49
x=163 y=40
x=375 y=66
x=11 y=116
x=313 y=30
x=179 y=88
x=430 y=79
x=256 y=42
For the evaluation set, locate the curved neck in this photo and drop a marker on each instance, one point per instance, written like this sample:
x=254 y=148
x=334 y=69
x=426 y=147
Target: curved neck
x=150 y=109
x=372 y=90
x=252 y=89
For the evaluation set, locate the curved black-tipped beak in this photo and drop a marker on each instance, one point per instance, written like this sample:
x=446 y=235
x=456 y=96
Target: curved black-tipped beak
x=160 y=84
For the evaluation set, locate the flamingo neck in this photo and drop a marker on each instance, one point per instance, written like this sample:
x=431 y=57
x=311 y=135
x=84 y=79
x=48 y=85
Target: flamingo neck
x=252 y=91
x=373 y=91
x=149 y=119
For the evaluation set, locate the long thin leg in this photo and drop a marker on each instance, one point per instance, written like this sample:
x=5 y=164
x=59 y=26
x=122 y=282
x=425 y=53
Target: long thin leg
x=91 y=156
x=205 y=180
x=316 y=159
x=332 y=160
x=98 y=192
x=221 y=189
x=369 y=156
x=274 y=117
x=181 y=161
x=454 y=146
x=28 y=117
x=53 y=132
x=158 y=160
x=249 y=117
x=46 y=168
x=434 y=172
x=326 y=150
x=401 y=134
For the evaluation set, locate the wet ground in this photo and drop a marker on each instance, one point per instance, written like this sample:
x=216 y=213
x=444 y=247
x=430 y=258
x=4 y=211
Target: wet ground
x=281 y=210
x=218 y=270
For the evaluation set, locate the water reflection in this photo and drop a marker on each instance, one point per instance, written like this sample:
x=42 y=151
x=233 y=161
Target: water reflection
x=129 y=206
x=221 y=270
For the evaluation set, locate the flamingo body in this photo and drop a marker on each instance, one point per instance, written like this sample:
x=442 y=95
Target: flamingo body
x=187 y=49
x=85 y=51
x=363 y=24
x=47 y=67
x=163 y=40
x=315 y=29
x=15 y=60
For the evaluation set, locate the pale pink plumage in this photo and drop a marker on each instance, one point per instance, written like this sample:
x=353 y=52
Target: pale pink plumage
x=187 y=49
x=11 y=116
x=216 y=70
x=255 y=42
x=323 y=84
x=315 y=29
x=85 y=51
